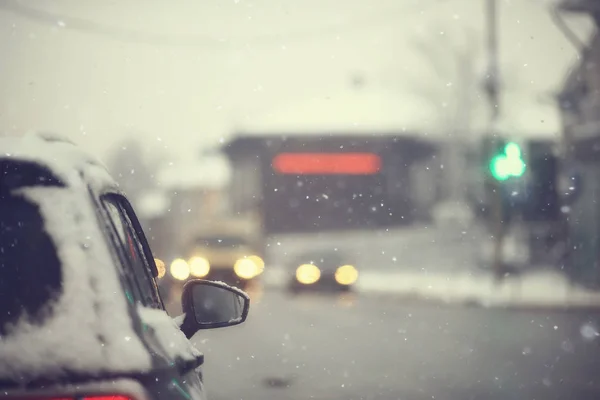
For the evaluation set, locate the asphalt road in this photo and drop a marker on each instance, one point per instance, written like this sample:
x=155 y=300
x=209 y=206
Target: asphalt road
x=370 y=347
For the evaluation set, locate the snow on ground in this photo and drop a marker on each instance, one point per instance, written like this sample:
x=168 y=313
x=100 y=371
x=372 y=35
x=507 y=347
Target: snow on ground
x=539 y=289
x=167 y=331
x=442 y=263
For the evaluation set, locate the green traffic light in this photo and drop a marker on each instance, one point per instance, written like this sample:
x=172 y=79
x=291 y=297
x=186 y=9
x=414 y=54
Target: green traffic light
x=508 y=163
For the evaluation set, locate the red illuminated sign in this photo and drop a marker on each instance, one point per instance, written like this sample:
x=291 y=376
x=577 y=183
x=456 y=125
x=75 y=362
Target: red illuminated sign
x=327 y=163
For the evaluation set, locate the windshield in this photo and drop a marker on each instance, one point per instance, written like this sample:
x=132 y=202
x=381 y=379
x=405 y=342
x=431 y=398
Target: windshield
x=408 y=190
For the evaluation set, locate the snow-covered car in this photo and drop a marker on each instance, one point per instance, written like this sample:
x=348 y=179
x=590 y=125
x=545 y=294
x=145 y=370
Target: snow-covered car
x=321 y=270
x=80 y=312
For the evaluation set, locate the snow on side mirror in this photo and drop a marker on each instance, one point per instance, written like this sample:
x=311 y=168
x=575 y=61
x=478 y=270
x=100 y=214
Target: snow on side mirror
x=209 y=304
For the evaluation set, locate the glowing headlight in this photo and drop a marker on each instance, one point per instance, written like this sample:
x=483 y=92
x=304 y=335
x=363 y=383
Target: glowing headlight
x=260 y=264
x=245 y=268
x=199 y=267
x=308 y=274
x=180 y=269
x=160 y=266
x=346 y=275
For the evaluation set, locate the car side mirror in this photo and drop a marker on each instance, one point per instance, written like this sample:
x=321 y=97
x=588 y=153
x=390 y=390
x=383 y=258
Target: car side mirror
x=209 y=304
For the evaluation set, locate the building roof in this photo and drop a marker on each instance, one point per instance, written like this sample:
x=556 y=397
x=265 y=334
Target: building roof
x=351 y=111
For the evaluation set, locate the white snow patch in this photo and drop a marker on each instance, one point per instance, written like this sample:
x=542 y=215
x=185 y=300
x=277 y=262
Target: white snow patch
x=167 y=331
x=60 y=156
x=89 y=329
x=515 y=250
x=232 y=288
x=540 y=289
x=178 y=320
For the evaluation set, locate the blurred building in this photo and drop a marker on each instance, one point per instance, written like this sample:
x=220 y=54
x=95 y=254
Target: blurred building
x=580 y=111
x=358 y=160
x=369 y=114
x=190 y=197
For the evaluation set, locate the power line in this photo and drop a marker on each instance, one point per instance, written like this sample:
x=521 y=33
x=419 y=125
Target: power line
x=97 y=29
x=152 y=39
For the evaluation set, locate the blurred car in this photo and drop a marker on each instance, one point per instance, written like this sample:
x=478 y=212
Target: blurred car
x=321 y=270
x=80 y=313
x=225 y=257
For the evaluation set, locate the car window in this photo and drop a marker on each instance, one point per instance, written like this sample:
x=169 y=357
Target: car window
x=30 y=269
x=130 y=244
x=132 y=288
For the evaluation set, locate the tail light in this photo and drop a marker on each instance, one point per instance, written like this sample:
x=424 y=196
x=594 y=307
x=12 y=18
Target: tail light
x=99 y=397
x=327 y=163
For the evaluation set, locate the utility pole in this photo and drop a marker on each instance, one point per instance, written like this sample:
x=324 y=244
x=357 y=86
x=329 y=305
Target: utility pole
x=492 y=89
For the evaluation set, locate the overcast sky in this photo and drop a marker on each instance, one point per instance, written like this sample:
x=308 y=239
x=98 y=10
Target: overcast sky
x=183 y=74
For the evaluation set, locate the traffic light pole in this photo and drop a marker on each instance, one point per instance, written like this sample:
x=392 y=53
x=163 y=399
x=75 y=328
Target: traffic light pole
x=492 y=90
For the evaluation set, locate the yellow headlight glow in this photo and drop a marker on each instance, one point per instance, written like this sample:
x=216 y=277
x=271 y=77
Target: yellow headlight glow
x=199 y=267
x=160 y=266
x=346 y=275
x=260 y=264
x=180 y=269
x=308 y=274
x=245 y=268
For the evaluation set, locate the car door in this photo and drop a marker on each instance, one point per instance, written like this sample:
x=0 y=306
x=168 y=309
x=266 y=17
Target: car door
x=161 y=332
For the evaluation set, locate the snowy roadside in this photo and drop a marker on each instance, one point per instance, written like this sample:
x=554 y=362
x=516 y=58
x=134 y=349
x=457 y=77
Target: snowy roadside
x=537 y=289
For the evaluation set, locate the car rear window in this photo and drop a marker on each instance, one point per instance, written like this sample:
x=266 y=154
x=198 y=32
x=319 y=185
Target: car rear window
x=30 y=271
x=16 y=174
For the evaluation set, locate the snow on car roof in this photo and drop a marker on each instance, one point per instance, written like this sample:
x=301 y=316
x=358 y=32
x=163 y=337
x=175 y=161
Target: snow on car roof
x=350 y=112
x=168 y=333
x=59 y=155
x=89 y=328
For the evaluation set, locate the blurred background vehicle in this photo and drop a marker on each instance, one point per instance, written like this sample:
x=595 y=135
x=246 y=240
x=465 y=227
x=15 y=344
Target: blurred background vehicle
x=220 y=255
x=322 y=270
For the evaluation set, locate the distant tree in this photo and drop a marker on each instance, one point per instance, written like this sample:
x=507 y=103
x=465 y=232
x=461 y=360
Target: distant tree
x=450 y=82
